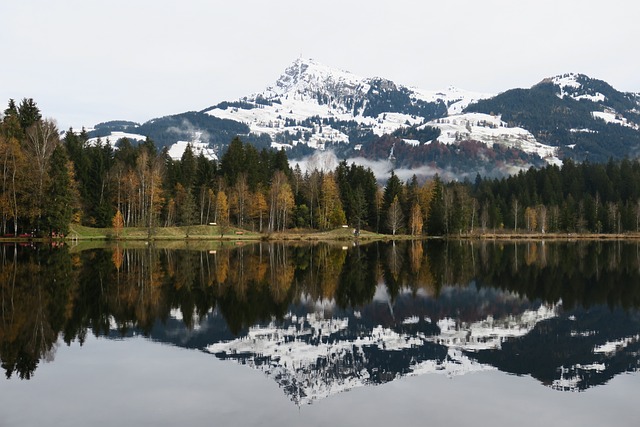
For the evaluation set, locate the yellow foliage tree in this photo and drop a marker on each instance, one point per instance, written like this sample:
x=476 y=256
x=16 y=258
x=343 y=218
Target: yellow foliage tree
x=118 y=223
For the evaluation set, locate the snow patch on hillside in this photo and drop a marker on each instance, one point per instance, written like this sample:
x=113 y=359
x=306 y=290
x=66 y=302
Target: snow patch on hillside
x=114 y=137
x=571 y=81
x=455 y=98
x=492 y=130
x=197 y=145
x=611 y=116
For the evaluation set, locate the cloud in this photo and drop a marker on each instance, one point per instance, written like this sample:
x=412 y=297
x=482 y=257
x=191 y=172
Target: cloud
x=328 y=161
x=190 y=132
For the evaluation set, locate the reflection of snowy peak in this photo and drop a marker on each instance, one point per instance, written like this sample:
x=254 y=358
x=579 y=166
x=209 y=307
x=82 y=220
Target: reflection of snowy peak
x=490 y=333
x=319 y=349
x=312 y=357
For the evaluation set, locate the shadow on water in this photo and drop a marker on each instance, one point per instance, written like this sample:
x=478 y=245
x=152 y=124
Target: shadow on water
x=320 y=318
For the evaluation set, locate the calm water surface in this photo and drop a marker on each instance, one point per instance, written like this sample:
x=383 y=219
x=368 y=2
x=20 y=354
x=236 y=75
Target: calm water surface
x=421 y=333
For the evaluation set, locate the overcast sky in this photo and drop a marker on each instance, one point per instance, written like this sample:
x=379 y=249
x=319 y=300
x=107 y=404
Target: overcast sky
x=87 y=61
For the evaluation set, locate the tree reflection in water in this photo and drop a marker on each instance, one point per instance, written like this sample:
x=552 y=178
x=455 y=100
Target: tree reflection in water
x=381 y=310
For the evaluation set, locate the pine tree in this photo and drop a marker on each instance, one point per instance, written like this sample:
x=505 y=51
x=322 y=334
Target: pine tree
x=436 y=224
x=58 y=207
x=188 y=168
x=28 y=113
x=393 y=189
x=12 y=110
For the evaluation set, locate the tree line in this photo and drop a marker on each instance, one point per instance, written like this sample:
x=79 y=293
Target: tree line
x=48 y=181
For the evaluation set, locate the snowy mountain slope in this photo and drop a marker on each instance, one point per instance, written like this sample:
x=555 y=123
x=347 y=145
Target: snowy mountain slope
x=309 y=98
x=197 y=145
x=492 y=130
x=116 y=136
x=580 y=87
x=315 y=107
x=584 y=117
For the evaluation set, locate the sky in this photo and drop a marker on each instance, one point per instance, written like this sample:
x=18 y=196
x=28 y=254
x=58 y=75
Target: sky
x=90 y=61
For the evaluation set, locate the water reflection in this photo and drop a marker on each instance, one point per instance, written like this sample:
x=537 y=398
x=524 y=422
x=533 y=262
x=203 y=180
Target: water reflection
x=322 y=318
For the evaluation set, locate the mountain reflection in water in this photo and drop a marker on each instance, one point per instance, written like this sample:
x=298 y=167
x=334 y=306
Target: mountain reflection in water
x=322 y=318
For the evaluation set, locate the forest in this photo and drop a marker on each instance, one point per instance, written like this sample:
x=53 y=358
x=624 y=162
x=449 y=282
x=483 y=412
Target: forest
x=49 y=180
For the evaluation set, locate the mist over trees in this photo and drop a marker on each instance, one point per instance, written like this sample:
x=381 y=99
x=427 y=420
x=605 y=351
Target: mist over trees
x=48 y=182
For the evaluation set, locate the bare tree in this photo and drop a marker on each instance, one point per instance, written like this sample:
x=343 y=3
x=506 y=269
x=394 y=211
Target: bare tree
x=240 y=195
x=515 y=208
x=40 y=142
x=394 y=216
x=542 y=218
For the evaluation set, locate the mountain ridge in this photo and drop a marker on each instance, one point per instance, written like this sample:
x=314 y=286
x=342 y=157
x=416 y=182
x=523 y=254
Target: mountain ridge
x=314 y=107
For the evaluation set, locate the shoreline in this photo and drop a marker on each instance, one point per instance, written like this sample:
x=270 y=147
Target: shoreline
x=204 y=234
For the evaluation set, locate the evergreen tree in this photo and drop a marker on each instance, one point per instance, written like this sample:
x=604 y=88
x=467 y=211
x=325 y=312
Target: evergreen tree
x=188 y=168
x=436 y=222
x=28 y=113
x=185 y=207
x=60 y=195
x=233 y=161
x=393 y=189
x=12 y=110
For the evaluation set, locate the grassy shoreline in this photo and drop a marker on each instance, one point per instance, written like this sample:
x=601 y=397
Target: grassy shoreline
x=231 y=234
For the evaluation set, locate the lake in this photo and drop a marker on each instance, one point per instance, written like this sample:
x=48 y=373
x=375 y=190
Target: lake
x=274 y=334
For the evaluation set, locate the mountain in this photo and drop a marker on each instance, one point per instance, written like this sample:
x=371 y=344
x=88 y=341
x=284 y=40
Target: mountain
x=312 y=107
x=585 y=118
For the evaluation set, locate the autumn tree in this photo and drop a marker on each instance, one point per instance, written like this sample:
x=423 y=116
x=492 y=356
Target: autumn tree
x=149 y=170
x=312 y=183
x=118 y=223
x=330 y=213
x=221 y=216
x=530 y=218
x=280 y=202
x=258 y=208
x=415 y=220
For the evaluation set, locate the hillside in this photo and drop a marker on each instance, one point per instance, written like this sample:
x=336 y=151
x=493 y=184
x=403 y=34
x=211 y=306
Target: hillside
x=313 y=107
x=585 y=118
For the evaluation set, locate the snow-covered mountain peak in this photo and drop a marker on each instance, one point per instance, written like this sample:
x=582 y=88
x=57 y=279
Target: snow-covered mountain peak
x=576 y=86
x=568 y=80
x=307 y=76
